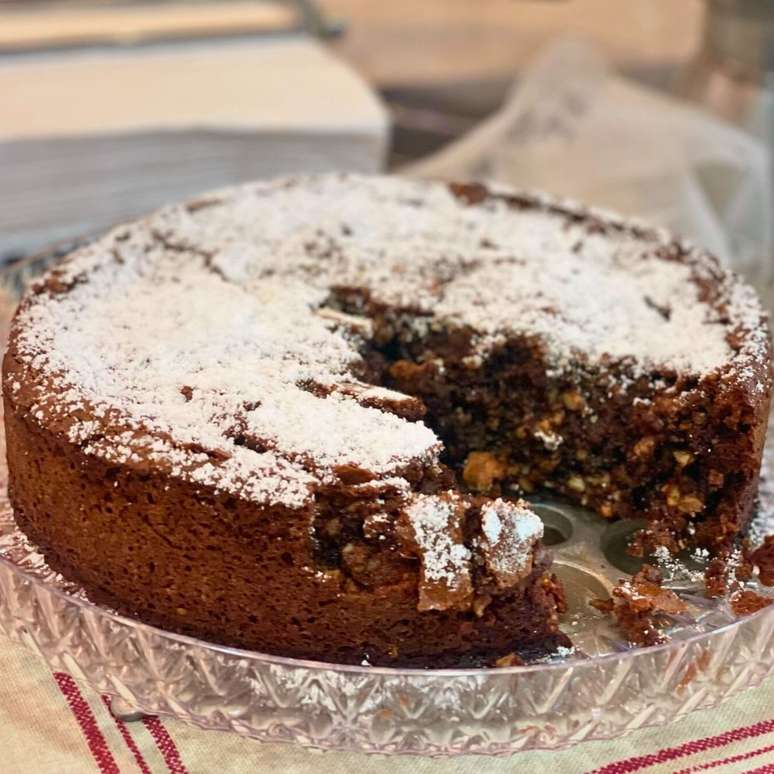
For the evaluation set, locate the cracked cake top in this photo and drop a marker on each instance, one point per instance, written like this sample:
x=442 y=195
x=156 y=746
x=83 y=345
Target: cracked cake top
x=208 y=340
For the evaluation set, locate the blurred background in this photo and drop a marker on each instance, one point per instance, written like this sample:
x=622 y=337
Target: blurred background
x=657 y=108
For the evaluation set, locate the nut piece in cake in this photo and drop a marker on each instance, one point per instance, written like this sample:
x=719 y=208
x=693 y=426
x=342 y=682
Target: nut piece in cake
x=482 y=469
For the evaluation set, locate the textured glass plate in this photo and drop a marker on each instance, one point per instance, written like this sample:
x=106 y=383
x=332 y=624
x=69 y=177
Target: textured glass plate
x=600 y=691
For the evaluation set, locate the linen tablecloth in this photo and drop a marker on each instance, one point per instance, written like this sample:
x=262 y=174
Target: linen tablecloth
x=51 y=724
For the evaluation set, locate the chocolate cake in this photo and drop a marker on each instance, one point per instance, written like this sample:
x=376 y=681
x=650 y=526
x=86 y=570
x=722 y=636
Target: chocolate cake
x=297 y=416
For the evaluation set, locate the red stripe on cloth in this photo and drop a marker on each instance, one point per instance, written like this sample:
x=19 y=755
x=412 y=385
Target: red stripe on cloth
x=130 y=743
x=88 y=723
x=166 y=745
x=689 y=748
x=726 y=761
x=767 y=769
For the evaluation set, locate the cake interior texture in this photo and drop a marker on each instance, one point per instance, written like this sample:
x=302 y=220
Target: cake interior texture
x=298 y=416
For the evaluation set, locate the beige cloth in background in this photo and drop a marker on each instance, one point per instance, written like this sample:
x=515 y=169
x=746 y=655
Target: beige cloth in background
x=48 y=724
x=574 y=127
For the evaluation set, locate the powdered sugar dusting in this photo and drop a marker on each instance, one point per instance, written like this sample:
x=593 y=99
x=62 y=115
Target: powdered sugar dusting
x=594 y=293
x=509 y=532
x=598 y=303
x=491 y=525
x=208 y=378
x=191 y=338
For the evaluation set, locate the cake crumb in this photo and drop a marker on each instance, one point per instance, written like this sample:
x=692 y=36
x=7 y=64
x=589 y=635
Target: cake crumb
x=763 y=558
x=747 y=601
x=509 y=532
x=431 y=528
x=636 y=605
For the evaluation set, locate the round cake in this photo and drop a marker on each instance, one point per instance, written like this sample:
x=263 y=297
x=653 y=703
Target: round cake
x=297 y=416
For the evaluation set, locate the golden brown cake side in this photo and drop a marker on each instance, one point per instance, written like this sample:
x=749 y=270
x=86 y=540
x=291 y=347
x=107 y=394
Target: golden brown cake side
x=217 y=567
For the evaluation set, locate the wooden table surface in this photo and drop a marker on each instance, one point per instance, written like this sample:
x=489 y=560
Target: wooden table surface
x=396 y=42
x=390 y=41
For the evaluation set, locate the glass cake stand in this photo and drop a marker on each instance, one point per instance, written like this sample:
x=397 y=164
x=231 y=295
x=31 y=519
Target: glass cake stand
x=601 y=690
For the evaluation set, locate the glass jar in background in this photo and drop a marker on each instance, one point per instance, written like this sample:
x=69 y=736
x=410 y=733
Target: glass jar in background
x=732 y=76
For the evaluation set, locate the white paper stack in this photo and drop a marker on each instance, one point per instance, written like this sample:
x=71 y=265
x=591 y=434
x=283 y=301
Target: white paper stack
x=89 y=138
